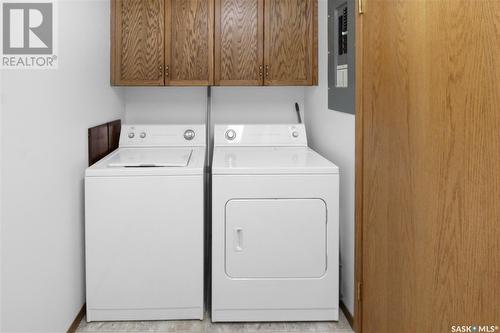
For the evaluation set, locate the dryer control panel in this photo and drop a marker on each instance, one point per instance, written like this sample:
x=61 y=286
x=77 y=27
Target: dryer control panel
x=279 y=135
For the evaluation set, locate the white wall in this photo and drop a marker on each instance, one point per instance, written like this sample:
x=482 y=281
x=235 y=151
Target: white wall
x=45 y=116
x=229 y=104
x=332 y=134
x=167 y=105
x=254 y=105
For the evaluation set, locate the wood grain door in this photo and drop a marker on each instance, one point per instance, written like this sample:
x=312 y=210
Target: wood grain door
x=189 y=42
x=290 y=47
x=137 y=28
x=239 y=42
x=430 y=112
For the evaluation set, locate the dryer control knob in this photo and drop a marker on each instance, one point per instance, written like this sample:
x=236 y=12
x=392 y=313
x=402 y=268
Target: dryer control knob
x=189 y=135
x=230 y=135
x=295 y=134
x=143 y=135
x=131 y=135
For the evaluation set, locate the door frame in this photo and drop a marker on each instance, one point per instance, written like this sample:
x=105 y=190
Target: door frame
x=358 y=197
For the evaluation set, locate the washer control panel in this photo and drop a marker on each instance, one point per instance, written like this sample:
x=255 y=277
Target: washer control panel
x=162 y=135
x=260 y=135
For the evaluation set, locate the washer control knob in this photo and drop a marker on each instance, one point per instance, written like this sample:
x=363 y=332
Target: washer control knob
x=295 y=134
x=131 y=135
x=143 y=135
x=230 y=135
x=189 y=135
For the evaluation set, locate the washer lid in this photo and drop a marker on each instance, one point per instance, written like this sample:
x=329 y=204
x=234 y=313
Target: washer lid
x=150 y=162
x=150 y=157
x=270 y=160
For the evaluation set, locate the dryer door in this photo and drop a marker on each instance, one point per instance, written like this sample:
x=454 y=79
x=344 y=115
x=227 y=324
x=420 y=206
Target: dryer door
x=276 y=238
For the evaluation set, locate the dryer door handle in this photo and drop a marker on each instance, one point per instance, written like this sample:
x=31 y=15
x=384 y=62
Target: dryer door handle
x=238 y=239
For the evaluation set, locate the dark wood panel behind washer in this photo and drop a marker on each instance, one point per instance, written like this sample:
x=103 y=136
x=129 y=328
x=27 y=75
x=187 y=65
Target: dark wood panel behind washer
x=103 y=139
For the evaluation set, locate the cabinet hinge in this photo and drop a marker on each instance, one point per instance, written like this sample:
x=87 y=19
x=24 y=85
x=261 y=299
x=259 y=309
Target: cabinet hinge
x=359 y=291
x=361 y=6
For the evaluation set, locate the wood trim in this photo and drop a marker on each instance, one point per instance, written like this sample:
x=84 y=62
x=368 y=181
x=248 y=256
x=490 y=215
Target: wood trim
x=358 y=233
x=347 y=314
x=167 y=53
x=78 y=319
x=211 y=37
x=314 y=57
x=163 y=78
x=116 y=43
x=189 y=83
x=260 y=44
x=239 y=83
x=217 y=43
x=112 y=43
x=267 y=41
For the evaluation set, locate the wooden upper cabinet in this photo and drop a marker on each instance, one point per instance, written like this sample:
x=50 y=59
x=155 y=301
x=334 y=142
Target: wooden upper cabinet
x=137 y=37
x=207 y=42
x=239 y=42
x=189 y=42
x=291 y=42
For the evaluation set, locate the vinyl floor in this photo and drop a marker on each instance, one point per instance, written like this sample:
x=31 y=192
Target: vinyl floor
x=206 y=326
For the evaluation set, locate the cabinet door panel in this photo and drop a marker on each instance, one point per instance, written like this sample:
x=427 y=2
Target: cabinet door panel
x=290 y=42
x=138 y=37
x=239 y=39
x=189 y=42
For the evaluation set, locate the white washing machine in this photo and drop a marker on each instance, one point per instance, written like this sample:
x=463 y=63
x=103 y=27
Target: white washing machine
x=144 y=226
x=275 y=229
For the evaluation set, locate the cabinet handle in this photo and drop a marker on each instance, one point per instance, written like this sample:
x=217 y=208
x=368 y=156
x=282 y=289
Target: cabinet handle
x=167 y=71
x=161 y=71
x=261 y=73
x=267 y=71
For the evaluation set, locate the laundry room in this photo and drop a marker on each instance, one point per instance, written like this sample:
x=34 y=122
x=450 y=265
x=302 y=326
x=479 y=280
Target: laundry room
x=248 y=166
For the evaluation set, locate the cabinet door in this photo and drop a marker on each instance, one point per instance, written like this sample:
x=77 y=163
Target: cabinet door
x=189 y=42
x=239 y=41
x=291 y=40
x=137 y=48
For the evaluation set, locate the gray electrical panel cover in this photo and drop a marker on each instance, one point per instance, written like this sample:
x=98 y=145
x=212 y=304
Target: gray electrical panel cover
x=341 y=56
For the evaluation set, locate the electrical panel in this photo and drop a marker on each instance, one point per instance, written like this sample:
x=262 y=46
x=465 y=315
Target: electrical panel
x=342 y=69
x=341 y=55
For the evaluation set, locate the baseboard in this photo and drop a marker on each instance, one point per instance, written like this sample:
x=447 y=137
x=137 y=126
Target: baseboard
x=76 y=322
x=347 y=314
